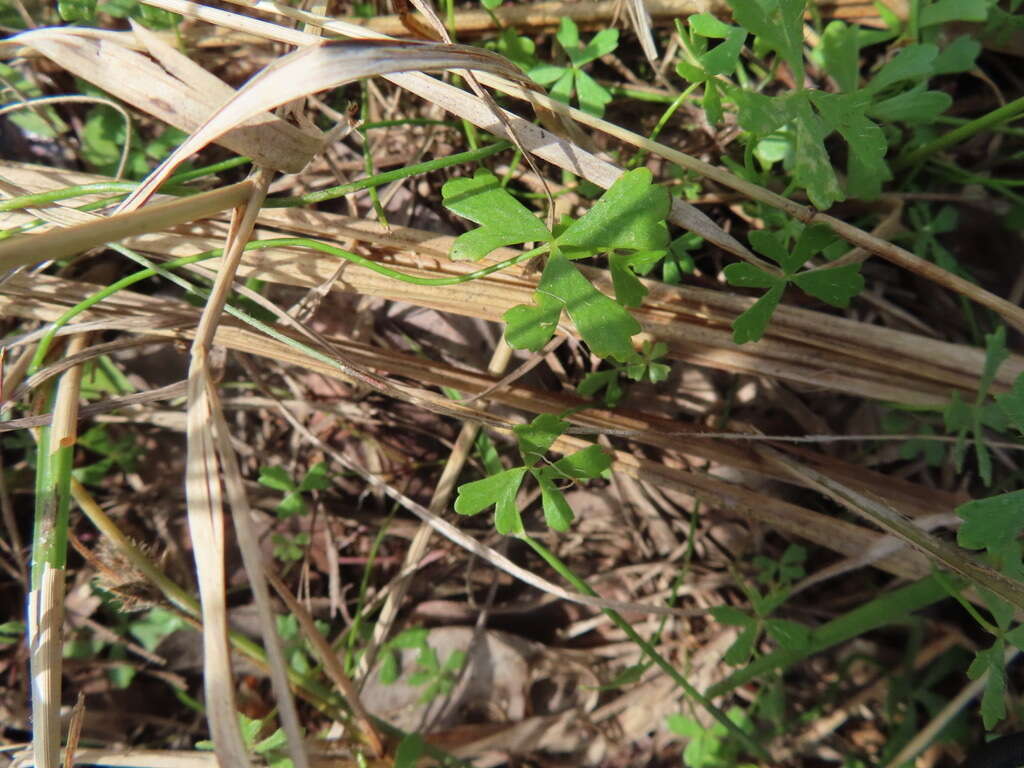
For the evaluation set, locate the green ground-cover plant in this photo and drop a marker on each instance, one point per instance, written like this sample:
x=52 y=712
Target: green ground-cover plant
x=627 y=224
x=833 y=285
x=793 y=125
x=568 y=80
x=790 y=134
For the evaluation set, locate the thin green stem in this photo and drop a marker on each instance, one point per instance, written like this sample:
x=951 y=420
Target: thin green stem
x=387 y=177
x=581 y=586
x=1004 y=114
x=258 y=245
x=119 y=188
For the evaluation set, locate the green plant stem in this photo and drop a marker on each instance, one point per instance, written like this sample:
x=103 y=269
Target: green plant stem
x=118 y=188
x=890 y=608
x=256 y=245
x=581 y=586
x=1004 y=114
x=379 y=179
x=672 y=108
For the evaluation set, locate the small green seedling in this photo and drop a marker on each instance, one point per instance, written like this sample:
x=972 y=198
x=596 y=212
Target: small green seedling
x=644 y=368
x=833 y=285
x=316 y=479
x=273 y=749
x=962 y=418
x=714 y=746
x=591 y=96
x=994 y=524
x=627 y=224
x=499 y=490
x=438 y=678
x=776 y=577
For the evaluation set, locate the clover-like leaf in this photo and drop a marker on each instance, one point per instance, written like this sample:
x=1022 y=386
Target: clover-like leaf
x=722 y=59
x=751 y=325
x=778 y=26
x=536 y=438
x=498 y=491
x=593 y=96
x=503 y=220
x=601 y=44
x=833 y=285
x=744 y=275
x=991 y=521
x=629 y=216
x=1012 y=403
x=912 y=63
x=602 y=322
x=584 y=464
x=531 y=327
x=629 y=291
x=557 y=512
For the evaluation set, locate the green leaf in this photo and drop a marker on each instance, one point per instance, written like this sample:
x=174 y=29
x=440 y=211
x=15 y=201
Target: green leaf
x=410 y=638
x=546 y=74
x=562 y=89
x=744 y=275
x=608 y=380
x=771 y=244
x=568 y=34
x=958 y=56
x=317 y=479
x=993 y=708
x=722 y=59
x=629 y=291
x=629 y=216
x=812 y=168
x=712 y=102
x=812 y=240
x=1012 y=403
x=790 y=635
x=866 y=166
x=918 y=106
x=732 y=617
x=584 y=464
x=943 y=11
x=601 y=44
x=77 y=10
x=557 y=512
x=503 y=220
x=412 y=747
x=840 y=52
x=535 y=439
x=779 y=26
x=602 y=323
x=276 y=478
x=751 y=325
x=531 y=327
x=518 y=49
x=743 y=648
x=759 y=114
x=498 y=491
x=834 y=285
x=990 y=522
x=592 y=96
x=912 y=63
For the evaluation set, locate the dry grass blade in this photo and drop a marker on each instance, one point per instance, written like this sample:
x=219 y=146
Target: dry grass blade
x=329 y=658
x=890 y=520
x=539 y=142
x=173 y=88
x=25 y=250
x=317 y=68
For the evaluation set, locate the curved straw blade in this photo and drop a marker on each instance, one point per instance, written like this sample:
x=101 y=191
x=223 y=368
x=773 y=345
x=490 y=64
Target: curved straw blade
x=318 y=68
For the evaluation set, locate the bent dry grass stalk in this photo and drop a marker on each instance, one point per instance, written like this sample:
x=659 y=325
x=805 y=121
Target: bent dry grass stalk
x=602 y=321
